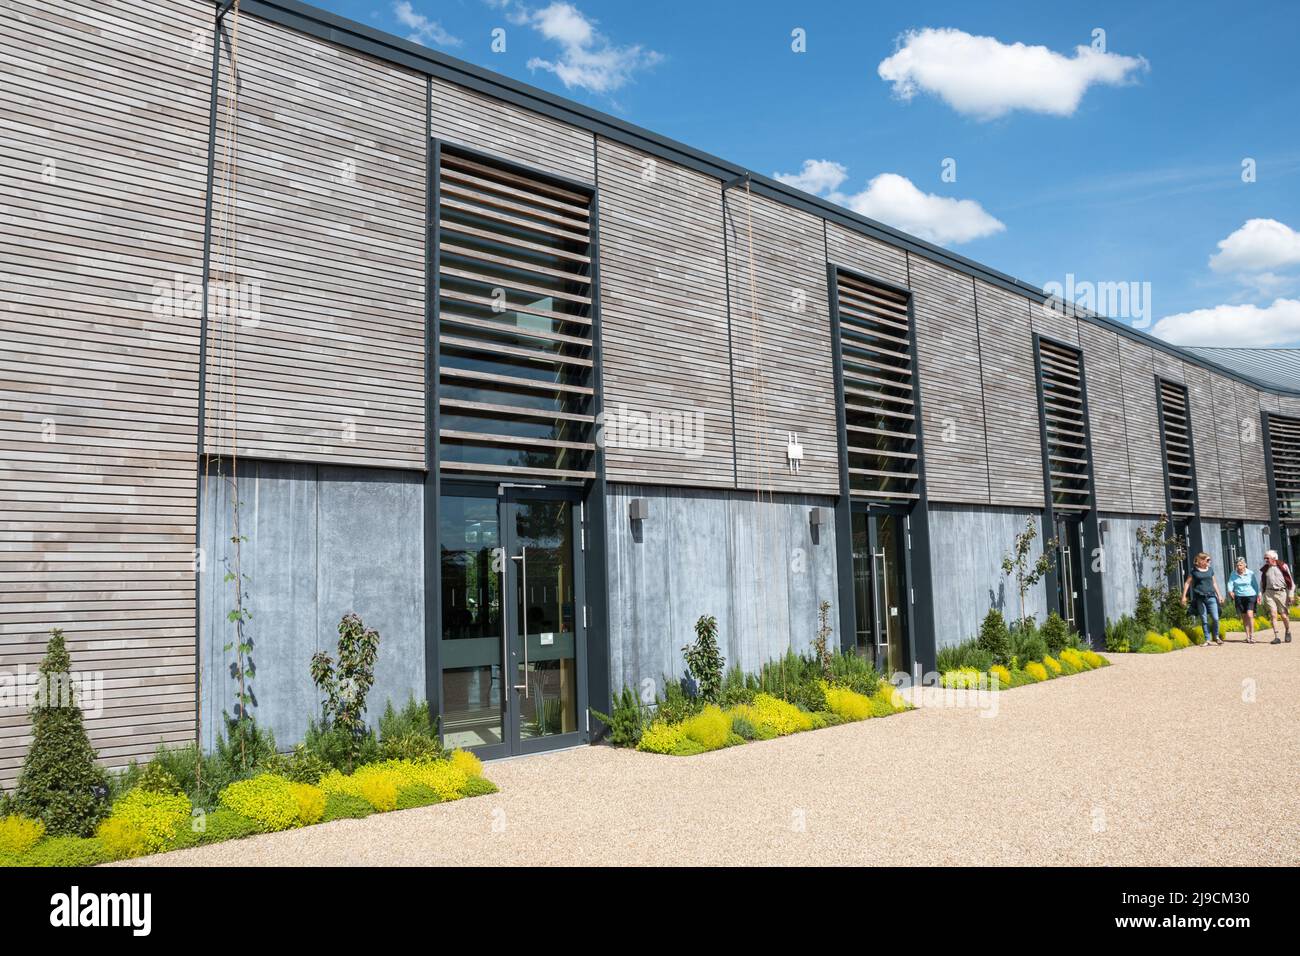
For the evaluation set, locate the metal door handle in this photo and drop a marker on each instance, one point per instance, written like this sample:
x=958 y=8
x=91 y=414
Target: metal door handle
x=881 y=593
x=522 y=558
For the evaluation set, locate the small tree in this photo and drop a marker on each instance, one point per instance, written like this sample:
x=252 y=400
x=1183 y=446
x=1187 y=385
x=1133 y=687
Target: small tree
x=704 y=661
x=1164 y=552
x=821 y=643
x=345 y=688
x=1018 y=564
x=60 y=783
x=1056 y=633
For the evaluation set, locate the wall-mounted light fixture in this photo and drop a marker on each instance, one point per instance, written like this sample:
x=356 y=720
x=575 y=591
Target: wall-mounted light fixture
x=818 y=518
x=1103 y=528
x=638 y=509
x=794 y=453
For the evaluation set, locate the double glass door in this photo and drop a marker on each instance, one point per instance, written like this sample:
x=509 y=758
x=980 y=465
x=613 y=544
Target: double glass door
x=1234 y=547
x=880 y=588
x=511 y=650
x=1069 y=571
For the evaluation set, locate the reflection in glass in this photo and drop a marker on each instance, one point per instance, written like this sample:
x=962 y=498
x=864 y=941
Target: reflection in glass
x=469 y=543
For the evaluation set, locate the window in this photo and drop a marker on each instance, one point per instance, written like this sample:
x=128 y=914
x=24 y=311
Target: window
x=1284 y=444
x=1180 y=467
x=515 y=294
x=879 y=389
x=1065 y=427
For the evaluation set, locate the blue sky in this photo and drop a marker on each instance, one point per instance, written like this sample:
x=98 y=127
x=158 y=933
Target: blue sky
x=1118 y=163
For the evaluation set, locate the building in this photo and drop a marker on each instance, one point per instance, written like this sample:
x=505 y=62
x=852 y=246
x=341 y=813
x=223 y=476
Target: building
x=667 y=387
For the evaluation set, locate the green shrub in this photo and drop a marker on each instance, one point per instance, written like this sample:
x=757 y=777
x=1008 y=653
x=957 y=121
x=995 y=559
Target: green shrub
x=67 y=851
x=626 y=721
x=220 y=825
x=1123 y=635
x=995 y=638
x=1144 y=615
x=676 y=705
x=966 y=654
x=743 y=727
x=416 y=795
x=854 y=671
x=155 y=778
x=1173 y=611
x=267 y=800
x=704 y=660
x=346 y=806
x=19 y=834
x=736 y=688
x=145 y=822
x=335 y=747
x=242 y=747
x=1159 y=642
x=409 y=733
x=1056 y=633
x=201 y=776
x=299 y=766
x=60 y=784
x=710 y=728
x=478 y=787
x=1027 y=644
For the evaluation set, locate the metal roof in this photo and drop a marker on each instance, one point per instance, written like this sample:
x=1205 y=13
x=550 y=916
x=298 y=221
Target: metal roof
x=1276 y=368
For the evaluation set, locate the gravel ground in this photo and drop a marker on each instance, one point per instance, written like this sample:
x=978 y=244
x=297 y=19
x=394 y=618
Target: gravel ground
x=1160 y=759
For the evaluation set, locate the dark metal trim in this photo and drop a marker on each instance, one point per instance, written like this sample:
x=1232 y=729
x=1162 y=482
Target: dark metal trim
x=432 y=488
x=1274 y=517
x=848 y=611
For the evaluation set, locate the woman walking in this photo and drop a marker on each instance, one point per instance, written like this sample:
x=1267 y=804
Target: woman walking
x=1244 y=588
x=1204 y=591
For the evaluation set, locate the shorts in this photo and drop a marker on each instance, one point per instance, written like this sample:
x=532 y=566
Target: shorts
x=1245 y=604
x=1276 y=601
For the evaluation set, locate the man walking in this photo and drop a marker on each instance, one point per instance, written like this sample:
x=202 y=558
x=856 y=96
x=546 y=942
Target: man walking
x=1279 y=588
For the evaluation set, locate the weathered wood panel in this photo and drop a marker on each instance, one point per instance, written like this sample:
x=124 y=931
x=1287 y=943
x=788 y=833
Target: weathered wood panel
x=866 y=255
x=1056 y=321
x=103 y=162
x=781 y=346
x=1201 y=411
x=1010 y=397
x=481 y=122
x=1107 y=415
x=952 y=393
x=1227 y=424
x=1249 y=433
x=328 y=159
x=1145 y=455
x=664 y=326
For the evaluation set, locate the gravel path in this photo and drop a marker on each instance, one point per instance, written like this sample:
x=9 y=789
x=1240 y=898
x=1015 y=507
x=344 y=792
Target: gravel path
x=1156 y=760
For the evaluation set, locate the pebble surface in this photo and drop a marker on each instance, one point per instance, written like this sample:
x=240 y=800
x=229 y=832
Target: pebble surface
x=1181 y=759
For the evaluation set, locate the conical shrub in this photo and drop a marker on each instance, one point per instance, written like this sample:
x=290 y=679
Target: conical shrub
x=60 y=783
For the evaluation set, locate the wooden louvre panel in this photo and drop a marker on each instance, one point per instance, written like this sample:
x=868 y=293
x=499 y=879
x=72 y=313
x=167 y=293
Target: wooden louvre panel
x=515 y=294
x=1065 y=426
x=1284 y=441
x=1179 y=465
x=880 y=421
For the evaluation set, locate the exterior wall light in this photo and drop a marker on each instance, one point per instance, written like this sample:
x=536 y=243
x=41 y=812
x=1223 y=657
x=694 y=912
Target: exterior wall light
x=638 y=509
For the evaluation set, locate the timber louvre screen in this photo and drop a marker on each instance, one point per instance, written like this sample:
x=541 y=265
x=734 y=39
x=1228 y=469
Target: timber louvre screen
x=879 y=384
x=1180 y=471
x=515 y=373
x=1284 y=443
x=1065 y=425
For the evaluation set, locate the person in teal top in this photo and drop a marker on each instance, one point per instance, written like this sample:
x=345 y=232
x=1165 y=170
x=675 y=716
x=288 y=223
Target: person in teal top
x=1243 y=585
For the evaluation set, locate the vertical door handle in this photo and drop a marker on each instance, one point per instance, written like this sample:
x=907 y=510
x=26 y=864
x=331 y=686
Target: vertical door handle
x=522 y=558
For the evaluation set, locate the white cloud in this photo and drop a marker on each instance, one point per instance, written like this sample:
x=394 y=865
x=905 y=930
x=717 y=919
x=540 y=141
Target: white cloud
x=587 y=59
x=896 y=200
x=423 y=30
x=986 y=78
x=817 y=176
x=1260 y=246
x=1242 y=326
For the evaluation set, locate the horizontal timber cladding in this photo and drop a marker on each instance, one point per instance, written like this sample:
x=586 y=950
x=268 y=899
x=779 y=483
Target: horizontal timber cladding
x=516 y=366
x=319 y=355
x=1065 y=425
x=950 y=370
x=103 y=176
x=1201 y=410
x=663 y=315
x=781 y=346
x=1107 y=418
x=477 y=121
x=1010 y=397
x=879 y=386
x=1253 y=470
x=1284 y=441
x=866 y=255
x=1228 y=426
x=1146 y=469
x=1180 y=467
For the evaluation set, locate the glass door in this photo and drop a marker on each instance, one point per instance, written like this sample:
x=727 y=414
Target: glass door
x=1069 y=571
x=1234 y=547
x=880 y=588
x=513 y=671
